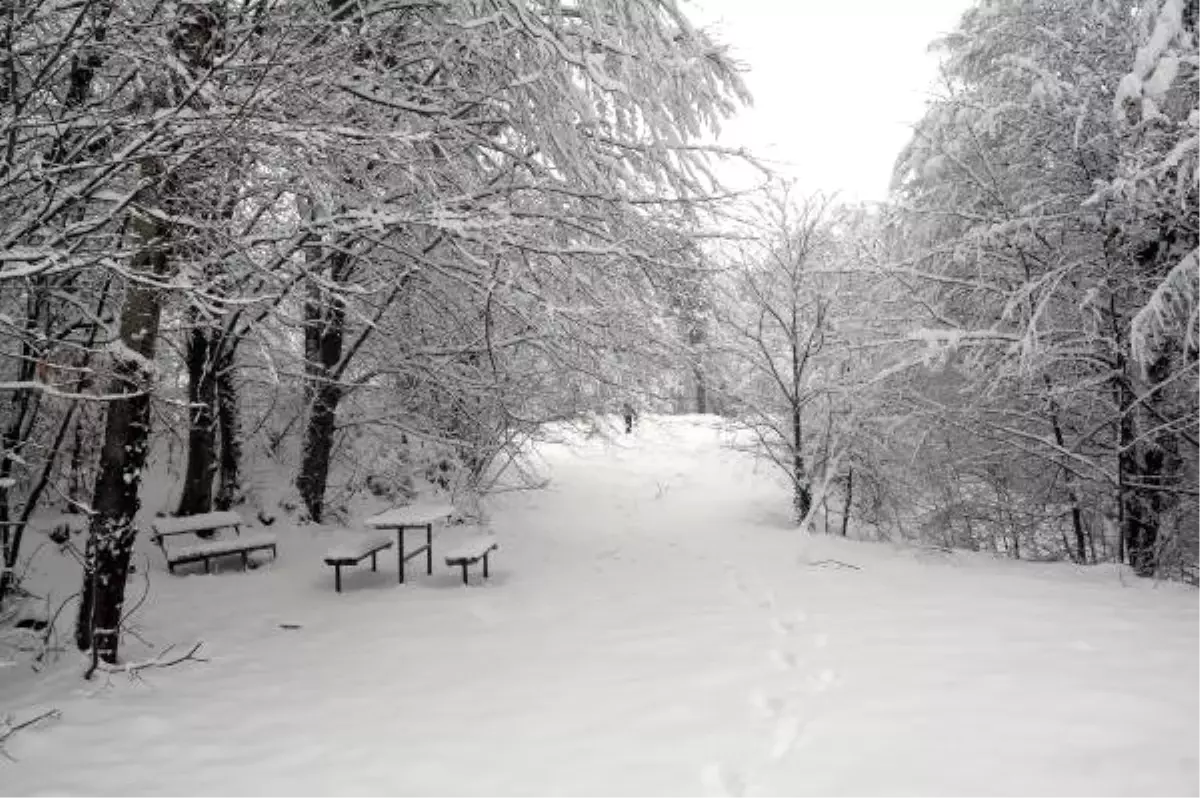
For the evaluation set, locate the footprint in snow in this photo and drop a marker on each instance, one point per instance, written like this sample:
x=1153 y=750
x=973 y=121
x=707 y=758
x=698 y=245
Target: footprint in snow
x=786 y=628
x=720 y=779
x=822 y=681
x=787 y=734
x=769 y=706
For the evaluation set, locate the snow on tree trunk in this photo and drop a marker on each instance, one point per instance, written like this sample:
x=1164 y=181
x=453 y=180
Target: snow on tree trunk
x=126 y=439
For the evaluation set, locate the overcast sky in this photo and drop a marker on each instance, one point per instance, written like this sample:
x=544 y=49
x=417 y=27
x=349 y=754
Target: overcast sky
x=836 y=84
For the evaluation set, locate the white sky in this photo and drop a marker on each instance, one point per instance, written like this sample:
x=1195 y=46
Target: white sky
x=836 y=83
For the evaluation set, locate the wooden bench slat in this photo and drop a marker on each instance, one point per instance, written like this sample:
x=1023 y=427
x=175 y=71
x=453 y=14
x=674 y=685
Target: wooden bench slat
x=215 y=548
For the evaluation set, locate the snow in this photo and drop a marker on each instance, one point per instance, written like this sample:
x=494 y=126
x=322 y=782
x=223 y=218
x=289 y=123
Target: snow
x=413 y=515
x=357 y=547
x=197 y=523
x=655 y=627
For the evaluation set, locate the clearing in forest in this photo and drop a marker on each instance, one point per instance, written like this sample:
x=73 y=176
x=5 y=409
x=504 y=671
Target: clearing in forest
x=652 y=626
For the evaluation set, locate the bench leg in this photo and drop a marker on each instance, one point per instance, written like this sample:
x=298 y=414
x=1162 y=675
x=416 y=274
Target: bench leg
x=337 y=578
x=245 y=560
x=206 y=565
x=429 y=549
x=485 y=556
x=400 y=541
x=373 y=568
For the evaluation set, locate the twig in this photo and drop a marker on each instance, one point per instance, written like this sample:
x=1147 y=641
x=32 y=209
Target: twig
x=8 y=729
x=838 y=563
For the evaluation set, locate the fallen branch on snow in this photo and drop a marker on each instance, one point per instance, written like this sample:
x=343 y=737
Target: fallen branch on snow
x=836 y=563
x=8 y=728
x=134 y=669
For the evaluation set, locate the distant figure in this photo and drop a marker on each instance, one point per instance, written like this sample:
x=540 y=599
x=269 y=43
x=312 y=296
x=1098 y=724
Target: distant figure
x=629 y=414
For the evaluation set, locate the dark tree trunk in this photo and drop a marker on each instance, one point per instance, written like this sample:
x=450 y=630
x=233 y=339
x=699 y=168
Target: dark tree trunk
x=202 y=423
x=11 y=442
x=230 y=493
x=849 y=500
x=123 y=456
x=318 y=450
x=1081 y=551
x=1151 y=463
x=324 y=336
x=802 y=498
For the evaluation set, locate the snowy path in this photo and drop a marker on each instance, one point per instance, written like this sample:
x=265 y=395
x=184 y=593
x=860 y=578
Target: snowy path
x=652 y=628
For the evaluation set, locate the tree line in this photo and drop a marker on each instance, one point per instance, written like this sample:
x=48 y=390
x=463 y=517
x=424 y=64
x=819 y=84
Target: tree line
x=408 y=216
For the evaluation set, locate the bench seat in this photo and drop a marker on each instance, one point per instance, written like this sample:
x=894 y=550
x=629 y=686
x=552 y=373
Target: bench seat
x=243 y=545
x=472 y=551
x=351 y=551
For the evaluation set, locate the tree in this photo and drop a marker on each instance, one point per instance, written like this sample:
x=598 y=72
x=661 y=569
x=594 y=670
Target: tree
x=778 y=322
x=1032 y=275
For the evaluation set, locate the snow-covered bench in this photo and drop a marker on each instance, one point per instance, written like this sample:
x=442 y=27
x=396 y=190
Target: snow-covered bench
x=208 y=550
x=472 y=551
x=352 y=552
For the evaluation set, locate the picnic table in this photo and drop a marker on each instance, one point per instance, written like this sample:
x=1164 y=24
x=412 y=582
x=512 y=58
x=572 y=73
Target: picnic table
x=207 y=550
x=414 y=517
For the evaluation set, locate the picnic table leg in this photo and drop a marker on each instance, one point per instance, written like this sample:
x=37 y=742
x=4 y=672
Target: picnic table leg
x=485 y=556
x=429 y=549
x=245 y=560
x=464 y=570
x=400 y=540
x=337 y=578
x=373 y=560
x=207 y=560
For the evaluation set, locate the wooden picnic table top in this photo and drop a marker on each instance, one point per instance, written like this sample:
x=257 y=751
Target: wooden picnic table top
x=415 y=515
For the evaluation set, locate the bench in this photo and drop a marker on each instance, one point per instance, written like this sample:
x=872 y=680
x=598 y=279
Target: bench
x=208 y=550
x=471 y=552
x=352 y=552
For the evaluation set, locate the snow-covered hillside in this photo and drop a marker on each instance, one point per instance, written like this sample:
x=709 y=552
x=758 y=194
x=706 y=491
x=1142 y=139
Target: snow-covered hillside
x=652 y=626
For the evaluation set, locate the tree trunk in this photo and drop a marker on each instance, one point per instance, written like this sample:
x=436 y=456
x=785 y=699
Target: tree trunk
x=802 y=498
x=849 y=499
x=1151 y=461
x=202 y=423
x=324 y=335
x=126 y=443
x=701 y=389
x=230 y=493
x=1081 y=552
x=318 y=450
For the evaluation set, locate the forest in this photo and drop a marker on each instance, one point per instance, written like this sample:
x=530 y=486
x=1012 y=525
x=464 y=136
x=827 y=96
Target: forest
x=381 y=246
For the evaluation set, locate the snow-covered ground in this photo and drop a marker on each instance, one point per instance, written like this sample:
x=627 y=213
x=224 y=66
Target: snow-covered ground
x=652 y=626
